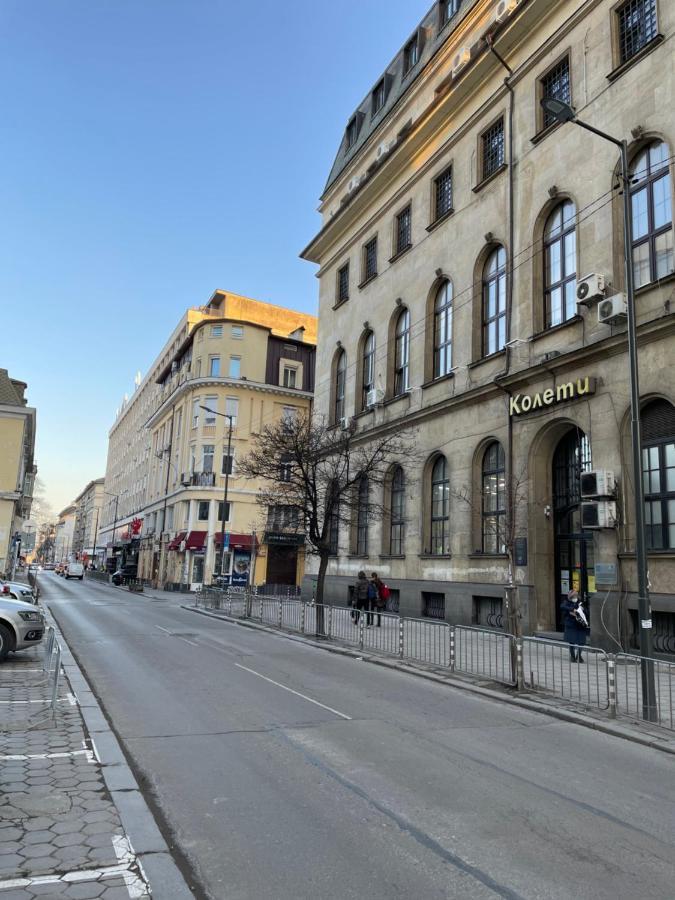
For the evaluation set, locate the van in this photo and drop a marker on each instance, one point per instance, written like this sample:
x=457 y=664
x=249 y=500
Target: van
x=75 y=570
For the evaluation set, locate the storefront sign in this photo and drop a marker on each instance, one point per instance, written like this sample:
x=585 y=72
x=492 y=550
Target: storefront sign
x=563 y=393
x=241 y=567
x=283 y=537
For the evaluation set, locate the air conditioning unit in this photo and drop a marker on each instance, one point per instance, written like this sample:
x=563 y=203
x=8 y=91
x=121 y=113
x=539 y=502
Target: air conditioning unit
x=344 y=423
x=598 y=514
x=371 y=398
x=505 y=8
x=461 y=59
x=600 y=483
x=185 y=479
x=384 y=148
x=353 y=183
x=612 y=310
x=589 y=288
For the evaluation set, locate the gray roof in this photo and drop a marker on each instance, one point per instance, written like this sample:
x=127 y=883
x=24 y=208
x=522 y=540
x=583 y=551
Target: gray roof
x=431 y=37
x=8 y=393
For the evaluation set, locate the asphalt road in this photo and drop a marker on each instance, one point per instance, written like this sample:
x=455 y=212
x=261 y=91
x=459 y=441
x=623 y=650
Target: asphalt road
x=287 y=772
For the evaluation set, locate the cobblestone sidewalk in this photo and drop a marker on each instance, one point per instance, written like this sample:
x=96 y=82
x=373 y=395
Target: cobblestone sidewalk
x=60 y=831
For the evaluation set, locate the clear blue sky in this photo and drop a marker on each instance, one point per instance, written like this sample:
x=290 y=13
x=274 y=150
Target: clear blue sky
x=152 y=151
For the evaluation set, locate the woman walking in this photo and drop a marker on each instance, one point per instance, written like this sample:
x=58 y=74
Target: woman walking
x=575 y=627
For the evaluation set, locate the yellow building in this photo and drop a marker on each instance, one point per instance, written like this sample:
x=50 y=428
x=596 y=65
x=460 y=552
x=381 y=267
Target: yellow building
x=17 y=469
x=247 y=362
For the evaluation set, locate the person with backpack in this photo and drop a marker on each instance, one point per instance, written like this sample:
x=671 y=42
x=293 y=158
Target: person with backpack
x=380 y=596
x=360 y=600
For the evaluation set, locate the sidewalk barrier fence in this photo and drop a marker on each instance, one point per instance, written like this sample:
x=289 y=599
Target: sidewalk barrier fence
x=604 y=681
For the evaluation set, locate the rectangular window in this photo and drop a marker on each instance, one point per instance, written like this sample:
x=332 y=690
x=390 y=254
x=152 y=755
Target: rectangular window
x=169 y=518
x=555 y=85
x=343 y=283
x=235 y=367
x=410 y=54
x=214 y=366
x=193 y=458
x=492 y=149
x=290 y=377
x=370 y=260
x=289 y=416
x=637 y=27
x=280 y=518
x=208 y=451
x=228 y=464
x=379 y=96
x=228 y=510
x=198 y=367
x=352 y=132
x=232 y=409
x=404 y=230
x=285 y=468
x=443 y=194
x=237 y=332
x=203 y=510
x=433 y=605
x=195 y=412
x=448 y=10
x=216 y=331
x=212 y=404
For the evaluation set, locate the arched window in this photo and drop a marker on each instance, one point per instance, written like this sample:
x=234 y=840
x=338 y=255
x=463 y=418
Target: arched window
x=340 y=379
x=494 y=302
x=440 y=508
x=367 y=369
x=651 y=214
x=397 y=516
x=493 y=512
x=658 y=473
x=560 y=264
x=362 y=517
x=402 y=354
x=443 y=330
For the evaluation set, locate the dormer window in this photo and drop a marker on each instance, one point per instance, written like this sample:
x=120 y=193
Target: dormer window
x=379 y=96
x=352 y=132
x=411 y=54
x=448 y=8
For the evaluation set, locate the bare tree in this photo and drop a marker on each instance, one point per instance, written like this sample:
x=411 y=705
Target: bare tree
x=41 y=508
x=328 y=477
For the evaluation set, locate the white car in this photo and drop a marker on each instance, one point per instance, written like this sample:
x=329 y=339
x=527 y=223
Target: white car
x=74 y=570
x=21 y=625
x=20 y=591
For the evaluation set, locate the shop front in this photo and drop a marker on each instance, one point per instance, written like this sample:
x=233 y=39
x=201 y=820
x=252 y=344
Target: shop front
x=283 y=551
x=236 y=567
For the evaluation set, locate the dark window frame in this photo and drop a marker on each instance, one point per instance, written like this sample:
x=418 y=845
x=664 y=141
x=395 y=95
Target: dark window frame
x=659 y=497
x=447 y=10
x=402 y=353
x=631 y=39
x=403 y=230
x=443 y=330
x=493 y=520
x=492 y=148
x=369 y=260
x=340 y=386
x=442 y=194
x=661 y=172
x=343 y=283
x=559 y=238
x=362 y=516
x=352 y=132
x=397 y=513
x=411 y=54
x=379 y=96
x=439 y=543
x=201 y=504
x=367 y=367
x=561 y=69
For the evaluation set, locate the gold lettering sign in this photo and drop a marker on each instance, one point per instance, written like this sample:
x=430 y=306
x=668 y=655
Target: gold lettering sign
x=563 y=393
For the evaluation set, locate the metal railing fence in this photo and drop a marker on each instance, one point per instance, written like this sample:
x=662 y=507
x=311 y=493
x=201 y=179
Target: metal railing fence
x=603 y=681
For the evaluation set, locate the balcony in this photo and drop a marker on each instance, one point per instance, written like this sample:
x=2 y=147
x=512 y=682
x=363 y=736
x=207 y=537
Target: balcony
x=198 y=479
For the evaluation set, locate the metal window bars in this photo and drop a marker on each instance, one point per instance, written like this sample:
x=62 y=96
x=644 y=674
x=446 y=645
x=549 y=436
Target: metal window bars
x=637 y=26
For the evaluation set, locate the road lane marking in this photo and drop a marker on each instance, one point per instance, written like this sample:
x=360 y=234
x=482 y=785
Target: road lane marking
x=185 y=641
x=165 y=630
x=297 y=693
x=180 y=638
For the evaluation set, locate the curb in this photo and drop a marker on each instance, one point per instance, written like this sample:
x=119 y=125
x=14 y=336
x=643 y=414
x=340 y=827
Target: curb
x=539 y=706
x=152 y=851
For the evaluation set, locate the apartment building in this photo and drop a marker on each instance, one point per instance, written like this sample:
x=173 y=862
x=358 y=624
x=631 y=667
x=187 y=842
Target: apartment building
x=86 y=528
x=235 y=361
x=65 y=529
x=17 y=466
x=471 y=270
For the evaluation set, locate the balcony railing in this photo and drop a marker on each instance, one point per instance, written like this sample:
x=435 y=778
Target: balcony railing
x=198 y=479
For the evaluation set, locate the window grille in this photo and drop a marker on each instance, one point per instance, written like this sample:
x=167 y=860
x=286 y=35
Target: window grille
x=637 y=26
x=370 y=259
x=493 y=148
x=404 y=230
x=343 y=283
x=555 y=85
x=443 y=194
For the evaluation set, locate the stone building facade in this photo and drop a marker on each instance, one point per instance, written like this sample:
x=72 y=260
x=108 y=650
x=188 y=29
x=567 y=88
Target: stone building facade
x=65 y=528
x=88 y=504
x=458 y=224
x=17 y=466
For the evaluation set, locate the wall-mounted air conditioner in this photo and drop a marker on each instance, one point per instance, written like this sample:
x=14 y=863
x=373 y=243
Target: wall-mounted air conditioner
x=589 y=288
x=598 y=514
x=354 y=183
x=599 y=483
x=461 y=59
x=612 y=310
x=505 y=8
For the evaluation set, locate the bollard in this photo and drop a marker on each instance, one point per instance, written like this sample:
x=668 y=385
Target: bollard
x=519 y=664
x=452 y=648
x=361 y=630
x=329 y=632
x=400 y=636
x=262 y=607
x=611 y=679
x=302 y=618
x=281 y=613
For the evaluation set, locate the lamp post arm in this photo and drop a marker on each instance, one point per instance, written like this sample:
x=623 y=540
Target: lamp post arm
x=602 y=134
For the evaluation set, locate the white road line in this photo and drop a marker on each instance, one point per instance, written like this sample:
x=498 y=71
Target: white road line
x=185 y=641
x=165 y=630
x=171 y=634
x=297 y=693
x=63 y=755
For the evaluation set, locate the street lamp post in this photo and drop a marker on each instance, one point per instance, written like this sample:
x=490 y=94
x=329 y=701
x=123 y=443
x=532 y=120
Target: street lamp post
x=563 y=112
x=227 y=483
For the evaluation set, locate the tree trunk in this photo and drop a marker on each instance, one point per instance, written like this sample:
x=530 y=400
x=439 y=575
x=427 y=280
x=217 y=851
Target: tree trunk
x=321 y=577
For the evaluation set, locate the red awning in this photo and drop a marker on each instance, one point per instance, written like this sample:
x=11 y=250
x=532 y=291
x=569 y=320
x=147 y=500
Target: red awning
x=236 y=541
x=195 y=540
x=175 y=543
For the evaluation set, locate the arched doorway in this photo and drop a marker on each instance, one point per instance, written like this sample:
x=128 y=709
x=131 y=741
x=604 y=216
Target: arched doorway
x=574 y=559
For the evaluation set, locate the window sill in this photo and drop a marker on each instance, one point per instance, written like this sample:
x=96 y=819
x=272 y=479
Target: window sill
x=486 y=359
x=544 y=133
x=552 y=330
x=400 y=253
x=367 y=281
x=645 y=288
x=486 y=181
x=432 y=226
x=391 y=556
x=479 y=555
x=435 y=555
x=364 y=412
x=439 y=380
x=340 y=303
x=619 y=70
x=357 y=556
x=391 y=400
x=655 y=554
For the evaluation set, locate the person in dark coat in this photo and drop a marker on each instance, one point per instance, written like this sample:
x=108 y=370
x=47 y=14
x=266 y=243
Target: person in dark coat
x=575 y=630
x=361 y=601
x=379 y=603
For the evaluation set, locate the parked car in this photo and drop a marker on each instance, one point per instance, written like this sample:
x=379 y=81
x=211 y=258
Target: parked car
x=49 y=567
x=21 y=625
x=125 y=572
x=74 y=570
x=21 y=591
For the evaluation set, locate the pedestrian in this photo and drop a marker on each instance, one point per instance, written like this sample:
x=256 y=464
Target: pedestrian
x=360 y=600
x=575 y=629
x=372 y=602
x=380 y=596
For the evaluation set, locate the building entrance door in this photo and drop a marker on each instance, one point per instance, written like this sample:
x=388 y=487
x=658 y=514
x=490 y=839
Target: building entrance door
x=282 y=564
x=574 y=549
